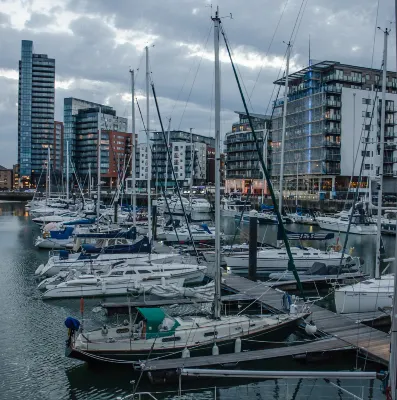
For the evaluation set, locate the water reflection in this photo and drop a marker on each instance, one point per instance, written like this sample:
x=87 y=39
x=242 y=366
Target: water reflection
x=32 y=335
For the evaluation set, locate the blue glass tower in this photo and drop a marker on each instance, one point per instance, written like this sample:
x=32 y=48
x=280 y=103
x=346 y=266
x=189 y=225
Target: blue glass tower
x=36 y=96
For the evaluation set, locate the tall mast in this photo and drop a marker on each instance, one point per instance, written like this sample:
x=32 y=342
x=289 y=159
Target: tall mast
x=49 y=171
x=133 y=148
x=393 y=339
x=280 y=199
x=98 y=207
x=217 y=300
x=149 y=153
x=381 y=155
x=191 y=167
x=89 y=180
x=67 y=171
x=166 y=156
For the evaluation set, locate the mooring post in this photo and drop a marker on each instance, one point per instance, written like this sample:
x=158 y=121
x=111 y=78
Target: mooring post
x=253 y=245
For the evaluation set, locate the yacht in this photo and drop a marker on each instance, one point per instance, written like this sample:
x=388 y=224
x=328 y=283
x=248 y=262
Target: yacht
x=200 y=233
x=365 y=296
x=360 y=225
x=191 y=273
x=65 y=216
x=201 y=205
x=231 y=206
x=276 y=260
x=56 y=237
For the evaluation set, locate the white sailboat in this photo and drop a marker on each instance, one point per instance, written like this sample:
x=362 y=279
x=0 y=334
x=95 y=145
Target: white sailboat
x=154 y=334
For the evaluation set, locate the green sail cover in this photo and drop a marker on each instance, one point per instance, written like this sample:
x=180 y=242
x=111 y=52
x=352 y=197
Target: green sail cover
x=154 y=318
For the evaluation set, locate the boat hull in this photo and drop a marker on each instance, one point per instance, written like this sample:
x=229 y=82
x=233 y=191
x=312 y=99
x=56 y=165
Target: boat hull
x=369 y=229
x=355 y=302
x=276 y=333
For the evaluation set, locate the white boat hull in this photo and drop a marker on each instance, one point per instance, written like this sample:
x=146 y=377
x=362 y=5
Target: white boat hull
x=105 y=289
x=347 y=302
x=54 y=244
x=336 y=226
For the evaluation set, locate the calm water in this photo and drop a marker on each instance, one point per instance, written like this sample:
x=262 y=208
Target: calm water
x=32 y=336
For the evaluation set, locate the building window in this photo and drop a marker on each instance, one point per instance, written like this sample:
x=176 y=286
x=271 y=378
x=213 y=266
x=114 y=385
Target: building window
x=367 y=127
x=365 y=153
x=367 y=166
x=367 y=77
x=366 y=114
x=366 y=101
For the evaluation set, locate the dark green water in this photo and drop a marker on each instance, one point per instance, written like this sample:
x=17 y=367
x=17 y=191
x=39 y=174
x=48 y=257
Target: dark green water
x=32 y=337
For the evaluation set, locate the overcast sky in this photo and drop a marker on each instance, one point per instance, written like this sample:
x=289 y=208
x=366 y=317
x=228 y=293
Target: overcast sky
x=96 y=42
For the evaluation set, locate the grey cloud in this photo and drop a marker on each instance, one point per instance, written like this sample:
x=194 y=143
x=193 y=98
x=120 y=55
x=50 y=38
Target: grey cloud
x=5 y=19
x=38 y=20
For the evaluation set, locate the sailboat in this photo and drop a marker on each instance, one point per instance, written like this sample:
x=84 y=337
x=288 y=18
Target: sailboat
x=155 y=334
x=370 y=294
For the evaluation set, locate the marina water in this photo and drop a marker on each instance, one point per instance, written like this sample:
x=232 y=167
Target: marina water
x=32 y=334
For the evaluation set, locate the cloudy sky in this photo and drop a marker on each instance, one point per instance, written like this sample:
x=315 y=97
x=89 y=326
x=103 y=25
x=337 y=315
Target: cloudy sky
x=96 y=42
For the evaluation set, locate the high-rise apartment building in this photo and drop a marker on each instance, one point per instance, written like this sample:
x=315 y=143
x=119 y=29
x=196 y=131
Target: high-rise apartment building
x=333 y=110
x=36 y=93
x=243 y=169
x=81 y=127
x=181 y=153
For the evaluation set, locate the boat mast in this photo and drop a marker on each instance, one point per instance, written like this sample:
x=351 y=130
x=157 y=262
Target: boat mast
x=98 y=207
x=49 y=171
x=191 y=168
x=67 y=171
x=280 y=200
x=217 y=300
x=297 y=184
x=381 y=155
x=393 y=339
x=167 y=160
x=133 y=148
x=149 y=153
x=89 y=180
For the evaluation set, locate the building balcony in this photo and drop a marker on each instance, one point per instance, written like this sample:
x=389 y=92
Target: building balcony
x=332 y=170
x=332 y=131
x=332 y=89
x=332 y=117
x=332 y=157
x=388 y=171
x=330 y=143
x=333 y=103
x=343 y=78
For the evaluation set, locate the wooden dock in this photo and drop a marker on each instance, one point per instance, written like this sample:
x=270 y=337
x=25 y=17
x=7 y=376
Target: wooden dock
x=371 y=342
x=319 y=346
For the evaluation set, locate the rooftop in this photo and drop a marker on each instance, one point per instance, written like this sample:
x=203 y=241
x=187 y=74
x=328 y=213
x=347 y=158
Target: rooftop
x=259 y=116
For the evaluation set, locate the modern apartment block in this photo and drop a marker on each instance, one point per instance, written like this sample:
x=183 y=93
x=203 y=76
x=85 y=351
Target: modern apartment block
x=36 y=94
x=81 y=131
x=57 y=148
x=243 y=170
x=332 y=110
x=15 y=175
x=181 y=153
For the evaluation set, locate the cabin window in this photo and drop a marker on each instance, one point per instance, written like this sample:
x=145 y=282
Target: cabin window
x=143 y=271
x=116 y=273
x=171 y=339
x=130 y=272
x=212 y=333
x=306 y=254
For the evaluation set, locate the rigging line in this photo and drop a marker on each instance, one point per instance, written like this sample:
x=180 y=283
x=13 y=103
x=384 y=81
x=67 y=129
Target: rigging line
x=366 y=110
x=291 y=265
x=300 y=21
x=173 y=173
x=296 y=21
x=239 y=72
x=268 y=49
x=164 y=194
x=188 y=74
x=195 y=77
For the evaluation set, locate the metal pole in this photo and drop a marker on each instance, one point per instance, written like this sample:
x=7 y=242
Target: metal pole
x=253 y=245
x=166 y=157
x=89 y=180
x=49 y=171
x=191 y=168
x=67 y=171
x=297 y=184
x=280 y=201
x=217 y=302
x=277 y=374
x=149 y=153
x=381 y=155
x=133 y=148
x=98 y=207
x=393 y=339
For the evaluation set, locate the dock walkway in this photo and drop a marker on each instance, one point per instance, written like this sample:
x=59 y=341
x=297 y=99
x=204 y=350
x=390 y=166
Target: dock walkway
x=371 y=342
